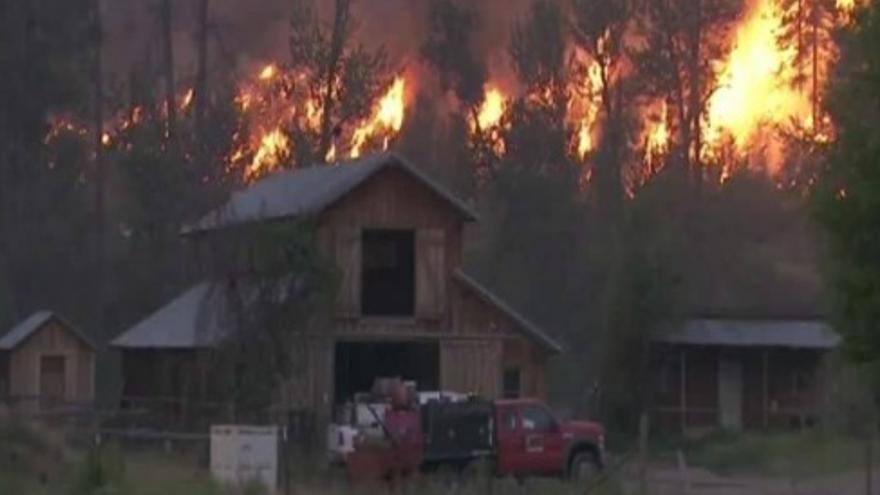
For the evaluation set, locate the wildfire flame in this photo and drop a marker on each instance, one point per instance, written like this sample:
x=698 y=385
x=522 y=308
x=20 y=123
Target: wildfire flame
x=754 y=99
x=492 y=109
x=187 y=99
x=590 y=111
x=754 y=89
x=487 y=120
x=268 y=72
x=274 y=148
x=657 y=137
x=386 y=120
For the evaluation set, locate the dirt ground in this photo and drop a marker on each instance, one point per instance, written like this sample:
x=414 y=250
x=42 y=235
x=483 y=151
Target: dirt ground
x=696 y=481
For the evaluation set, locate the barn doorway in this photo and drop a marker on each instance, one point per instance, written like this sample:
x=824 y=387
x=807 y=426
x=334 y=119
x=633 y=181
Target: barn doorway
x=358 y=364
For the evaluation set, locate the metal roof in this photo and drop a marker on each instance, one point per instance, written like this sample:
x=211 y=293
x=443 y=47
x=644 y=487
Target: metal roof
x=195 y=319
x=309 y=190
x=792 y=333
x=522 y=323
x=192 y=320
x=30 y=325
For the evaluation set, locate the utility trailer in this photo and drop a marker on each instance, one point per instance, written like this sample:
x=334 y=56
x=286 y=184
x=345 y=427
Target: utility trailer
x=519 y=438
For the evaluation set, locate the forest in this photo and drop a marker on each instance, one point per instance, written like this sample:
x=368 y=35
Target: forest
x=633 y=162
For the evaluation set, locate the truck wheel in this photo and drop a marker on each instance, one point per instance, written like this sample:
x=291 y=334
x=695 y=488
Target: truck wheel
x=583 y=468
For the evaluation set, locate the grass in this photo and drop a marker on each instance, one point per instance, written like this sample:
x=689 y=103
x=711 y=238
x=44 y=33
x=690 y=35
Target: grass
x=801 y=454
x=31 y=464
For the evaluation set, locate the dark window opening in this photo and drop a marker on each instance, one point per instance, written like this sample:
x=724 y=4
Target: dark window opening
x=358 y=364
x=512 y=387
x=388 y=273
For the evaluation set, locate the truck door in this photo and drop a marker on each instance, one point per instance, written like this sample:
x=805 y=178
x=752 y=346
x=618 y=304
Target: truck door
x=510 y=440
x=543 y=446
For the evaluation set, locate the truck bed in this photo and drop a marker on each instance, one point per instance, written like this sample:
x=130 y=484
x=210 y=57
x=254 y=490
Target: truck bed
x=458 y=431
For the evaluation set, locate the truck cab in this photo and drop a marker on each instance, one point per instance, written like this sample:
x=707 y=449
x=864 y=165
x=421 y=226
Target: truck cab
x=532 y=441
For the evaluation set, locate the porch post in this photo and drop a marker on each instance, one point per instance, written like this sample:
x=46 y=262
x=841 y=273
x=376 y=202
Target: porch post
x=765 y=388
x=683 y=390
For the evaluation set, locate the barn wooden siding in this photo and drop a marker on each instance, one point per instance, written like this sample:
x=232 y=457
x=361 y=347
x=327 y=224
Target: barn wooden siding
x=782 y=388
x=52 y=339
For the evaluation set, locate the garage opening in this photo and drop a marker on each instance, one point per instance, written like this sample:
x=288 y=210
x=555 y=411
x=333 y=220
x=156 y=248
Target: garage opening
x=358 y=364
x=388 y=272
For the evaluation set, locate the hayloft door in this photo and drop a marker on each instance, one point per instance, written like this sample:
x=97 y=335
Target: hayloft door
x=730 y=393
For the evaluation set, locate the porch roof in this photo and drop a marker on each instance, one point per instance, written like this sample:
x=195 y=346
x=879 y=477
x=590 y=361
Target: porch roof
x=791 y=333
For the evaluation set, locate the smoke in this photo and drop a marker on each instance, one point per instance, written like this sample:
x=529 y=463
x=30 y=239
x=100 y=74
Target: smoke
x=247 y=34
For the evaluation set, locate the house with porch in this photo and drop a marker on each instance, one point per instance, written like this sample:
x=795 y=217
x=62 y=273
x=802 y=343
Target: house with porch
x=742 y=373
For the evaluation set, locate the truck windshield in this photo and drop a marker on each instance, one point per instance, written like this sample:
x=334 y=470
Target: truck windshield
x=536 y=418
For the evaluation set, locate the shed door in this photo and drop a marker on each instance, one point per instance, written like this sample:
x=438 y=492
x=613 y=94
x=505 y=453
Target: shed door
x=52 y=378
x=730 y=393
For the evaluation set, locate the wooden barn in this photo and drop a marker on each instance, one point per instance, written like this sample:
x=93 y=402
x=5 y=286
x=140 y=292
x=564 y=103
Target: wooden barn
x=737 y=374
x=45 y=362
x=405 y=306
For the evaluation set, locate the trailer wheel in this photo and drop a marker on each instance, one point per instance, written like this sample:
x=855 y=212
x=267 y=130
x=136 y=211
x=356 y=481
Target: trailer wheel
x=583 y=468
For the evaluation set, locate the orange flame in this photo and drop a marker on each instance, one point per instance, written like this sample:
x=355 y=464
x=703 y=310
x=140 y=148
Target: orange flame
x=187 y=99
x=586 y=106
x=657 y=138
x=386 y=120
x=491 y=110
x=274 y=148
x=755 y=94
x=268 y=72
x=488 y=119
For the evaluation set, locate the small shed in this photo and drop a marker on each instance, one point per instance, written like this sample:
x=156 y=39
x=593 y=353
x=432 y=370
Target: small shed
x=46 y=362
x=742 y=373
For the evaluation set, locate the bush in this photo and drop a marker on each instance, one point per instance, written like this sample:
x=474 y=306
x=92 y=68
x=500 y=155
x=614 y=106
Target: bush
x=806 y=453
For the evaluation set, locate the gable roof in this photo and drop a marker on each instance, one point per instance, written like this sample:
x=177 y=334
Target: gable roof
x=192 y=320
x=30 y=325
x=522 y=323
x=791 y=333
x=308 y=191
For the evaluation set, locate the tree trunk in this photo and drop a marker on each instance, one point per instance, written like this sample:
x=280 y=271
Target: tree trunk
x=814 y=97
x=200 y=91
x=9 y=47
x=168 y=68
x=98 y=87
x=337 y=43
x=799 y=33
x=696 y=96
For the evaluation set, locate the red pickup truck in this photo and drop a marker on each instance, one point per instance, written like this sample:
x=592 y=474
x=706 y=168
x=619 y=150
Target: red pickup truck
x=519 y=438
x=531 y=441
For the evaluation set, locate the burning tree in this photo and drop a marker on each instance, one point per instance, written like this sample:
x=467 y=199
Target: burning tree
x=806 y=31
x=683 y=41
x=600 y=31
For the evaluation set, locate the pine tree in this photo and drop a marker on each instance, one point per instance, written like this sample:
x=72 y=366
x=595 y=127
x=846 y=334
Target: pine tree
x=343 y=76
x=807 y=29
x=683 y=40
